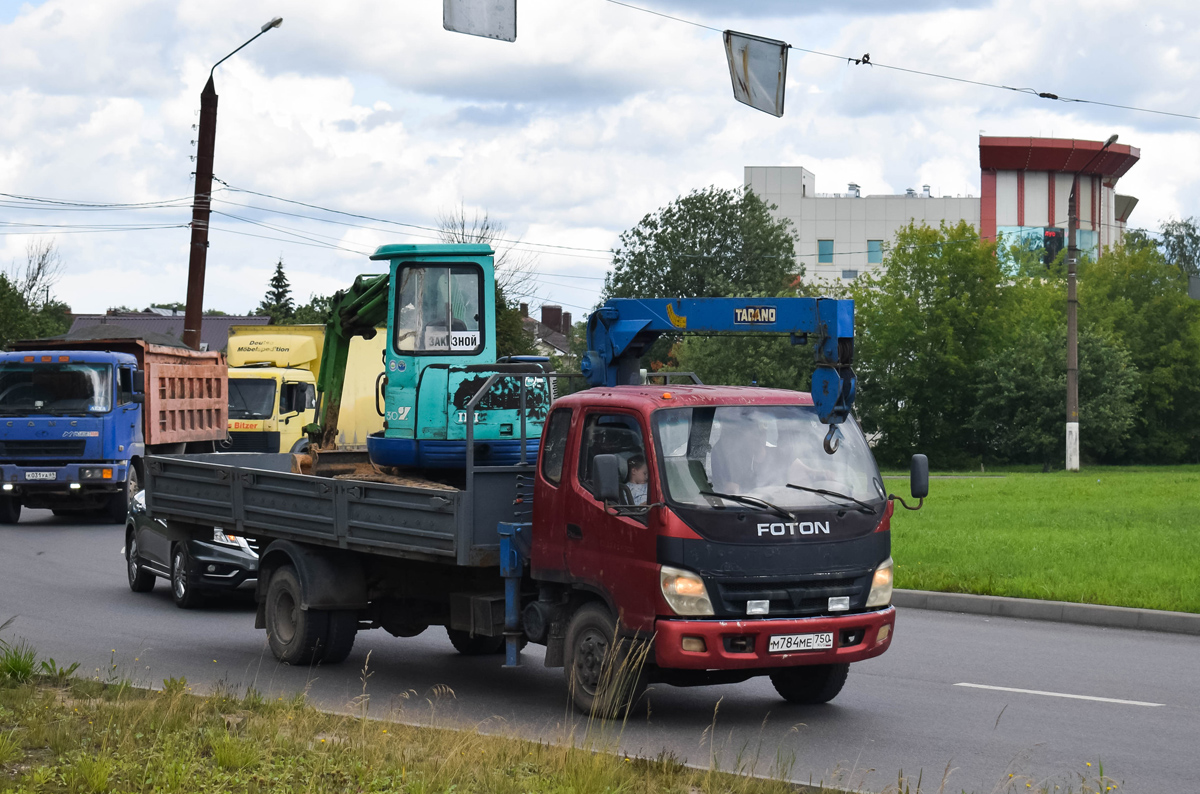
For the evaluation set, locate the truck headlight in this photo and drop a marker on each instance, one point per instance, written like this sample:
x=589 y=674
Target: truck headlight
x=881 y=585
x=225 y=539
x=95 y=473
x=684 y=591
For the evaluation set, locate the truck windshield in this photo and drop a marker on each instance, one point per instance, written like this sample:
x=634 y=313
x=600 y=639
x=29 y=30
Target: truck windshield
x=757 y=451
x=59 y=388
x=251 y=398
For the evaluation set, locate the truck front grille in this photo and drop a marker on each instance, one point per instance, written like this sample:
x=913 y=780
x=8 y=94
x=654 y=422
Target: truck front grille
x=43 y=448
x=801 y=595
x=250 y=441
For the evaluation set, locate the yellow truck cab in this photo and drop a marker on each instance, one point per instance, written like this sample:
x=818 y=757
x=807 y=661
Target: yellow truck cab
x=272 y=388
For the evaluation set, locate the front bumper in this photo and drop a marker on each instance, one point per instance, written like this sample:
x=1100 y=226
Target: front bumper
x=742 y=644
x=18 y=475
x=230 y=566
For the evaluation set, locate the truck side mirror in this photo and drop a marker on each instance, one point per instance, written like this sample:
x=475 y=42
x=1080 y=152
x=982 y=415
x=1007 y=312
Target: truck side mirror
x=606 y=476
x=919 y=477
x=139 y=386
x=299 y=398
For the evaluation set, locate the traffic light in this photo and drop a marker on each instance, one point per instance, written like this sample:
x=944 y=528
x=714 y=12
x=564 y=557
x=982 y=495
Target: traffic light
x=1052 y=243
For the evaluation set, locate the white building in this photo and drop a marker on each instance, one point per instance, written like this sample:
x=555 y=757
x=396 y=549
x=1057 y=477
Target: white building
x=840 y=235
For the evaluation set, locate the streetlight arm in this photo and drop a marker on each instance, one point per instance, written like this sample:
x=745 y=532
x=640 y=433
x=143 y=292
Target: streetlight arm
x=274 y=23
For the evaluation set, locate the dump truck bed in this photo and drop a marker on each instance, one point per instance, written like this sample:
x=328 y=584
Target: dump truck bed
x=263 y=496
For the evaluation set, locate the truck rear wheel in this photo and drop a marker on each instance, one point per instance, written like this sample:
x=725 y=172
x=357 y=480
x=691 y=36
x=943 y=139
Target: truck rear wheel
x=812 y=684
x=477 y=645
x=305 y=636
x=604 y=676
x=10 y=510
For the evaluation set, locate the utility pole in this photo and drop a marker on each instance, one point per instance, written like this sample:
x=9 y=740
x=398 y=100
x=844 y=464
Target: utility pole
x=201 y=209
x=202 y=202
x=1073 y=315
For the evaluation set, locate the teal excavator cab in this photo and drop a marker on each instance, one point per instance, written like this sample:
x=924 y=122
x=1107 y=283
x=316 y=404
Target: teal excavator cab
x=439 y=302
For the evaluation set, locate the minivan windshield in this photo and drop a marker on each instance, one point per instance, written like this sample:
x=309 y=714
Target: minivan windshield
x=709 y=455
x=58 y=388
x=251 y=398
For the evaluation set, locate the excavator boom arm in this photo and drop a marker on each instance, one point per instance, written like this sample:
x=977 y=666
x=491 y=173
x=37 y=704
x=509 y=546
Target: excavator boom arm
x=356 y=311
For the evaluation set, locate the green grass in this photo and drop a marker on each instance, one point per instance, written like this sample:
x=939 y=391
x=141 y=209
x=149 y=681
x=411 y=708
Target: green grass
x=1121 y=536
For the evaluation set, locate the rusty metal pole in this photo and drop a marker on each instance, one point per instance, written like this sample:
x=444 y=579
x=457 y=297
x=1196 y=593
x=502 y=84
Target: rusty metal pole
x=193 y=315
x=201 y=208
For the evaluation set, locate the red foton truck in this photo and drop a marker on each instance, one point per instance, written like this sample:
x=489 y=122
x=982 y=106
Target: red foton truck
x=686 y=535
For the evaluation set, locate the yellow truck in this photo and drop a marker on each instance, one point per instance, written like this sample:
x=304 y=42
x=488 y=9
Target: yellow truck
x=272 y=388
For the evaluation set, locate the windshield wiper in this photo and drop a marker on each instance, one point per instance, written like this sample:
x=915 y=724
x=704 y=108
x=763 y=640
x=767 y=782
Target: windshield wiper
x=863 y=507
x=753 y=501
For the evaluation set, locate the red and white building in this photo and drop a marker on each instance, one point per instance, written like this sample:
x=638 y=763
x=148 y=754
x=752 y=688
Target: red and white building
x=1026 y=186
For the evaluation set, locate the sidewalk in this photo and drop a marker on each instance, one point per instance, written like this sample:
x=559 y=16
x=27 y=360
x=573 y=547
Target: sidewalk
x=1061 y=611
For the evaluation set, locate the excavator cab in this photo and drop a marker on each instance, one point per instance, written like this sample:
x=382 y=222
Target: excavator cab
x=441 y=351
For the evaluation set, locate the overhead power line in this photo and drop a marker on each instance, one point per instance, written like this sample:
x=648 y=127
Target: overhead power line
x=865 y=60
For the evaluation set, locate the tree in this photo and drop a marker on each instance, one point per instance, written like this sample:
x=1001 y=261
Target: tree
x=27 y=308
x=514 y=266
x=1139 y=296
x=1181 y=245
x=277 y=303
x=317 y=310
x=1019 y=409
x=43 y=269
x=514 y=272
x=710 y=243
x=923 y=324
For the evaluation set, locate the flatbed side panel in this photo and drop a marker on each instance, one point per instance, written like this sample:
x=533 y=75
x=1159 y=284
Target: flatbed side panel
x=399 y=519
x=503 y=494
x=184 y=490
x=294 y=506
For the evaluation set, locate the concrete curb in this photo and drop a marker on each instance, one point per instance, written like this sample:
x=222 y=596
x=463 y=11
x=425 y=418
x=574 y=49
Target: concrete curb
x=1061 y=611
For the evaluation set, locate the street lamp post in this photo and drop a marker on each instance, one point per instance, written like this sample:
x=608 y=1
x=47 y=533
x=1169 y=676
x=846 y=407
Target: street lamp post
x=202 y=202
x=1072 y=316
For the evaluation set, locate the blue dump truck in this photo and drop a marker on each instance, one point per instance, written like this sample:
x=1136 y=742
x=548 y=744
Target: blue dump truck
x=78 y=415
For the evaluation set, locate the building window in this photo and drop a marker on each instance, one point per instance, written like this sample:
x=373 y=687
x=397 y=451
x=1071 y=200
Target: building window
x=849 y=275
x=825 y=252
x=874 y=252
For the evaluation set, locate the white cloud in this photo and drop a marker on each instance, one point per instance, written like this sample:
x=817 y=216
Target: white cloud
x=592 y=119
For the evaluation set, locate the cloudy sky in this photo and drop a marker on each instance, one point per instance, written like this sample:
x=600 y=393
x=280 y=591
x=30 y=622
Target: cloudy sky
x=595 y=116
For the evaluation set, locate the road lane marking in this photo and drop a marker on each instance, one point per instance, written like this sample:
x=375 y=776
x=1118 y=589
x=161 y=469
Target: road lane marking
x=1061 y=695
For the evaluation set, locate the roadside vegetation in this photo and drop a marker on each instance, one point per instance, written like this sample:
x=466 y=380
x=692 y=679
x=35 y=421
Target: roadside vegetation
x=1123 y=536
x=64 y=734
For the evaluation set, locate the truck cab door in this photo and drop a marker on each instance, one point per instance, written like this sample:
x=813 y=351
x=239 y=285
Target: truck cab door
x=613 y=555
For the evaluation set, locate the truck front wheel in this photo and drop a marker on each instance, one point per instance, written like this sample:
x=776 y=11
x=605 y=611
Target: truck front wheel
x=812 y=684
x=305 y=636
x=605 y=674
x=10 y=510
x=119 y=503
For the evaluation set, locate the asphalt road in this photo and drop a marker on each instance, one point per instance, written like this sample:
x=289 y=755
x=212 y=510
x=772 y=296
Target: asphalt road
x=905 y=711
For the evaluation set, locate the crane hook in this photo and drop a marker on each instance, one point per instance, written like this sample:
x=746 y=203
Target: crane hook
x=833 y=439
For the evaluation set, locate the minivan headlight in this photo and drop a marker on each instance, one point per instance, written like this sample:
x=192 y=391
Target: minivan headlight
x=881 y=585
x=684 y=591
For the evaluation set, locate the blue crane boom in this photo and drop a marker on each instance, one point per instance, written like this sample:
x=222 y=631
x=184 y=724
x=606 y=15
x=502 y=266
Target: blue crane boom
x=620 y=332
